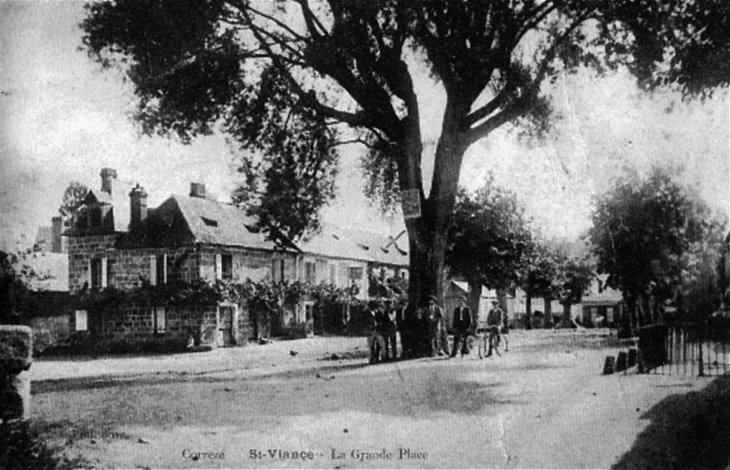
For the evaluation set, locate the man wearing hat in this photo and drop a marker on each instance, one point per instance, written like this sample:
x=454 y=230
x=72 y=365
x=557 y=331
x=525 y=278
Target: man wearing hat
x=462 y=325
x=436 y=318
x=495 y=321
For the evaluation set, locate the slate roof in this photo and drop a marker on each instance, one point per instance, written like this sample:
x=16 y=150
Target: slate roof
x=380 y=248
x=209 y=222
x=330 y=242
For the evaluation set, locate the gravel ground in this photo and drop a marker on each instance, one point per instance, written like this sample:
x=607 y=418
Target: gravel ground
x=315 y=403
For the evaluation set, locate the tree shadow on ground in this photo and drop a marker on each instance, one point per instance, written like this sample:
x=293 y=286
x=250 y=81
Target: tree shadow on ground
x=687 y=431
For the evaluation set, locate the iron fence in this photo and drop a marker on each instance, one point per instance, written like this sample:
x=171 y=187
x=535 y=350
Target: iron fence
x=686 y=349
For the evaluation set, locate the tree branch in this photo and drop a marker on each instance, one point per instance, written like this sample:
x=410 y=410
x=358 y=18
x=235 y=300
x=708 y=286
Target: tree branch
x=278 y=22
x=487 y=109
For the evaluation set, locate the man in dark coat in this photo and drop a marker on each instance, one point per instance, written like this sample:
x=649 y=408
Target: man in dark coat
x=388 y=330
x=436 y=319
x=461 y=325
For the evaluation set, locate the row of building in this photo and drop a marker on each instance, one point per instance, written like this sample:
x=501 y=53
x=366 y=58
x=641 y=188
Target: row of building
x=118 y=242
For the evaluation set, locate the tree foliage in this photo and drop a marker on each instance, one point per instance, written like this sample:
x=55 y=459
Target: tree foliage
x=647 y=233
x=72 y=202
x=489 y=237
x=289 y=81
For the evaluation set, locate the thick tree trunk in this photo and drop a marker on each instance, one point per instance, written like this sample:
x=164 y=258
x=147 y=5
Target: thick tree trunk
x=528 y=311
x=428 y=232
x=627 y=322
x=566 y=321
x=547 y=321
x=475 y=295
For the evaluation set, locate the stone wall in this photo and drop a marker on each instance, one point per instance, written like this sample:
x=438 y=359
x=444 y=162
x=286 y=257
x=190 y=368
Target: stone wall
x=126 y=268
x=247 y=264
x=80 y=251
x=133 y=327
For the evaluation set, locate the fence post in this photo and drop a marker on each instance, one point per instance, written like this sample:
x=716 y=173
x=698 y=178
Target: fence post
x=16 y=356
x=700 y=339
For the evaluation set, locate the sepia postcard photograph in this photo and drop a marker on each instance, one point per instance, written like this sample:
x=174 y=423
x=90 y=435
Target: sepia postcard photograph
x=487 y=234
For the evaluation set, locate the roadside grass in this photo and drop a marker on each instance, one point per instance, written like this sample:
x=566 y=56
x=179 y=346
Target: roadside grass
x=21 y=448
x=686 y=431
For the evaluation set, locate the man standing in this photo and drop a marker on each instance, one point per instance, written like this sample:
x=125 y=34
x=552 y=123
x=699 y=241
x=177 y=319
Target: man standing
x=505 y=330
x=495 y=321
x=376 y=343
x=435 y=316
x=462 y=325
x=389 y=331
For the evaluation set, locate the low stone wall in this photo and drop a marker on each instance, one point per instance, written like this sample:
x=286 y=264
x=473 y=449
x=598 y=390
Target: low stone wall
x=134 y=328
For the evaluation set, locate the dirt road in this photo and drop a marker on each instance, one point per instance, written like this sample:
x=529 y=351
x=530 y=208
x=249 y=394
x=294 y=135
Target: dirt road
x=292 y=404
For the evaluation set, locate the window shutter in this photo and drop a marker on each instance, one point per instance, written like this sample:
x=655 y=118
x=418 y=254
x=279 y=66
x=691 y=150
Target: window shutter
x=218 y=267
x=104 y=267
x=153 y=270
x=164 y=269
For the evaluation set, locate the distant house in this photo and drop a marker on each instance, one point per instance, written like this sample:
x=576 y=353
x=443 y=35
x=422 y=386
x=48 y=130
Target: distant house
x=602 y=308
x=117 y=242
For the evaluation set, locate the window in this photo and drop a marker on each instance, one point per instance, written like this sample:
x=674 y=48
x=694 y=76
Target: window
x=609 y=314
x=594 y=313
x=310 y=272
x=81 y=320
x=99 y=270
x=158 y=319
x=278 y=270
x=109 y=272
x=158 y=270
x=223 y=267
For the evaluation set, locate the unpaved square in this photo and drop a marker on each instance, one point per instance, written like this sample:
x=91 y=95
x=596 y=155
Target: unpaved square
x=292 y=404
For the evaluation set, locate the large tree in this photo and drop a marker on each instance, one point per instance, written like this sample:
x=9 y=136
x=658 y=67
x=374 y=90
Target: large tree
x=646 y=233
x=488 y=239
x=290 y=80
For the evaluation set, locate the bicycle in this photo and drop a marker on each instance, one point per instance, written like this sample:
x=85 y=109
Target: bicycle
x=492 y=339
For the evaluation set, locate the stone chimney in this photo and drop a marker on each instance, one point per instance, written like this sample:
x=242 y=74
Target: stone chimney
x=107 y=175
x=197 y=190
x=138 y=206
x=56 y=230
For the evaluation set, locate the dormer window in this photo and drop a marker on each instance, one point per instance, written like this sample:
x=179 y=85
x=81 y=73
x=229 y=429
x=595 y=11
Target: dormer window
x=209 y=222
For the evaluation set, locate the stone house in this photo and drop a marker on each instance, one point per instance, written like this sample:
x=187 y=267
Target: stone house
x=117 y=242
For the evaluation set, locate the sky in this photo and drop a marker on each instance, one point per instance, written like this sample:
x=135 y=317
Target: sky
x=63 y=119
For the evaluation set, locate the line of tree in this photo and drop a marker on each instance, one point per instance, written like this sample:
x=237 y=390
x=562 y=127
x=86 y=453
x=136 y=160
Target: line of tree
x=660 y=245
x=290 y=82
